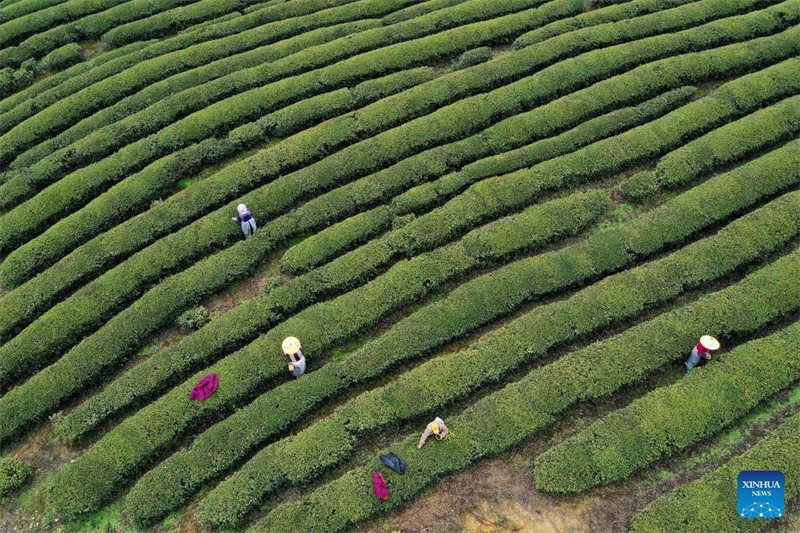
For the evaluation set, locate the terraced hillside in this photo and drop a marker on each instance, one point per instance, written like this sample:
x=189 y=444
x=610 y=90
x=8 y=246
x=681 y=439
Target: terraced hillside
x=518 y=215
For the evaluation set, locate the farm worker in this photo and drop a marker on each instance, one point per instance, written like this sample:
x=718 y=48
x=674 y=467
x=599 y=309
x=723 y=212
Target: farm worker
x=701 y=353
x=436 y=428
x=297 y=362
x=245 y=218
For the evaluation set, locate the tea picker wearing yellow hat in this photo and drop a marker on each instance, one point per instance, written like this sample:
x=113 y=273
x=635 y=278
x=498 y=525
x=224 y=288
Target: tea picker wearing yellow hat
x=436 y=428
x=297 y=362
x=701 y=353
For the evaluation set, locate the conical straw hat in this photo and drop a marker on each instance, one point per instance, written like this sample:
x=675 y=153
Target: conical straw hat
x=708 y=342
x=290 y=345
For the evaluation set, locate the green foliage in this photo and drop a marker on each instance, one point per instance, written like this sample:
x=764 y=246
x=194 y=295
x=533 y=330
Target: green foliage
x=155 y=307
x=62 y=279
x=335 y=239
x=169 y=21
x=338 y=275
x=193 y=319
x=723 y=146
x=709 y=503
x=343 y=160
x=7 y=82
x=621 y=11
x=249 y=75
x=417 y=10
x=63 y=57
x=322 y=326
x=82 y=185
x=14 y=80
x=449 y=171
x=22 y=99
x=13 y=474
x=271 y=284
x=197 y=202
x=672 y=418
x=505 y=418
x=478 y=302
x=38 y=33
x=473 y=57
x=640 y=186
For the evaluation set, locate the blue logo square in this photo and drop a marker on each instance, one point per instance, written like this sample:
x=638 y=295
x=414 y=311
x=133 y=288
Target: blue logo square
x=761 y=493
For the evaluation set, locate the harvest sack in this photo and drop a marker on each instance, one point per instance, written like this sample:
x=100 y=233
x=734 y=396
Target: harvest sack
x=379 y=486
x=204 y=388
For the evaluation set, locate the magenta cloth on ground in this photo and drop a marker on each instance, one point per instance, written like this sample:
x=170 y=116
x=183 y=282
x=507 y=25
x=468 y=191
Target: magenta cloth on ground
x=205 y=387
x=380 y=487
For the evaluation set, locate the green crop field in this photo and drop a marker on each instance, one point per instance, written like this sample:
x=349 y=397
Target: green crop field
x=517 y=215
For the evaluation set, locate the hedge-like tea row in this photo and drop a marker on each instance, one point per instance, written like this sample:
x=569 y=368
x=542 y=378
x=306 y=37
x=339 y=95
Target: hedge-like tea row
x=152 y=230
x=11 y=266
x=185 y=472
x=613 y=13
x=342 y=100
x=20 y=8
x=404 y=284
x=509 y=416
x=338 y=238
x=127 y=84
x=88 y=27
x=710 y=503
x=223 y=18
x=501 y=193
x=97 y=24
x=117 y=283
x=51 y=159
x=378 y=38
x=162 y=117
x=13 y=474
x=160 y=179
x=246 y=321
x=672 y=418
x=221 y=116
x=330 y=242
x=247 y=370
x=170 y=21
x=57 y=79
x=16 y=30
x=26 y=355
x=61 y=242
x=238 y=82
x=723 y=146
x=419 y=9
x=423 y=274
x=262 y=5
x=201 y=86
x=61 y=58
x=69 y=110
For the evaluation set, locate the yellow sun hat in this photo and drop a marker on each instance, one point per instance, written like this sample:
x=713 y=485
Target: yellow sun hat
x=435 y=428
x=709 y=343
x=290 y=345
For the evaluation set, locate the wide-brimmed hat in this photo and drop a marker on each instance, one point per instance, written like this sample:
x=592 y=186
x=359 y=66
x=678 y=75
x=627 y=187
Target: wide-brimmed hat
x=290 y=345
x=709 y=343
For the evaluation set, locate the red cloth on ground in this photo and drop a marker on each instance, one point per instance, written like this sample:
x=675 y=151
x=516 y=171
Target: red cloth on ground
x=379 y=486
x=204 y=388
